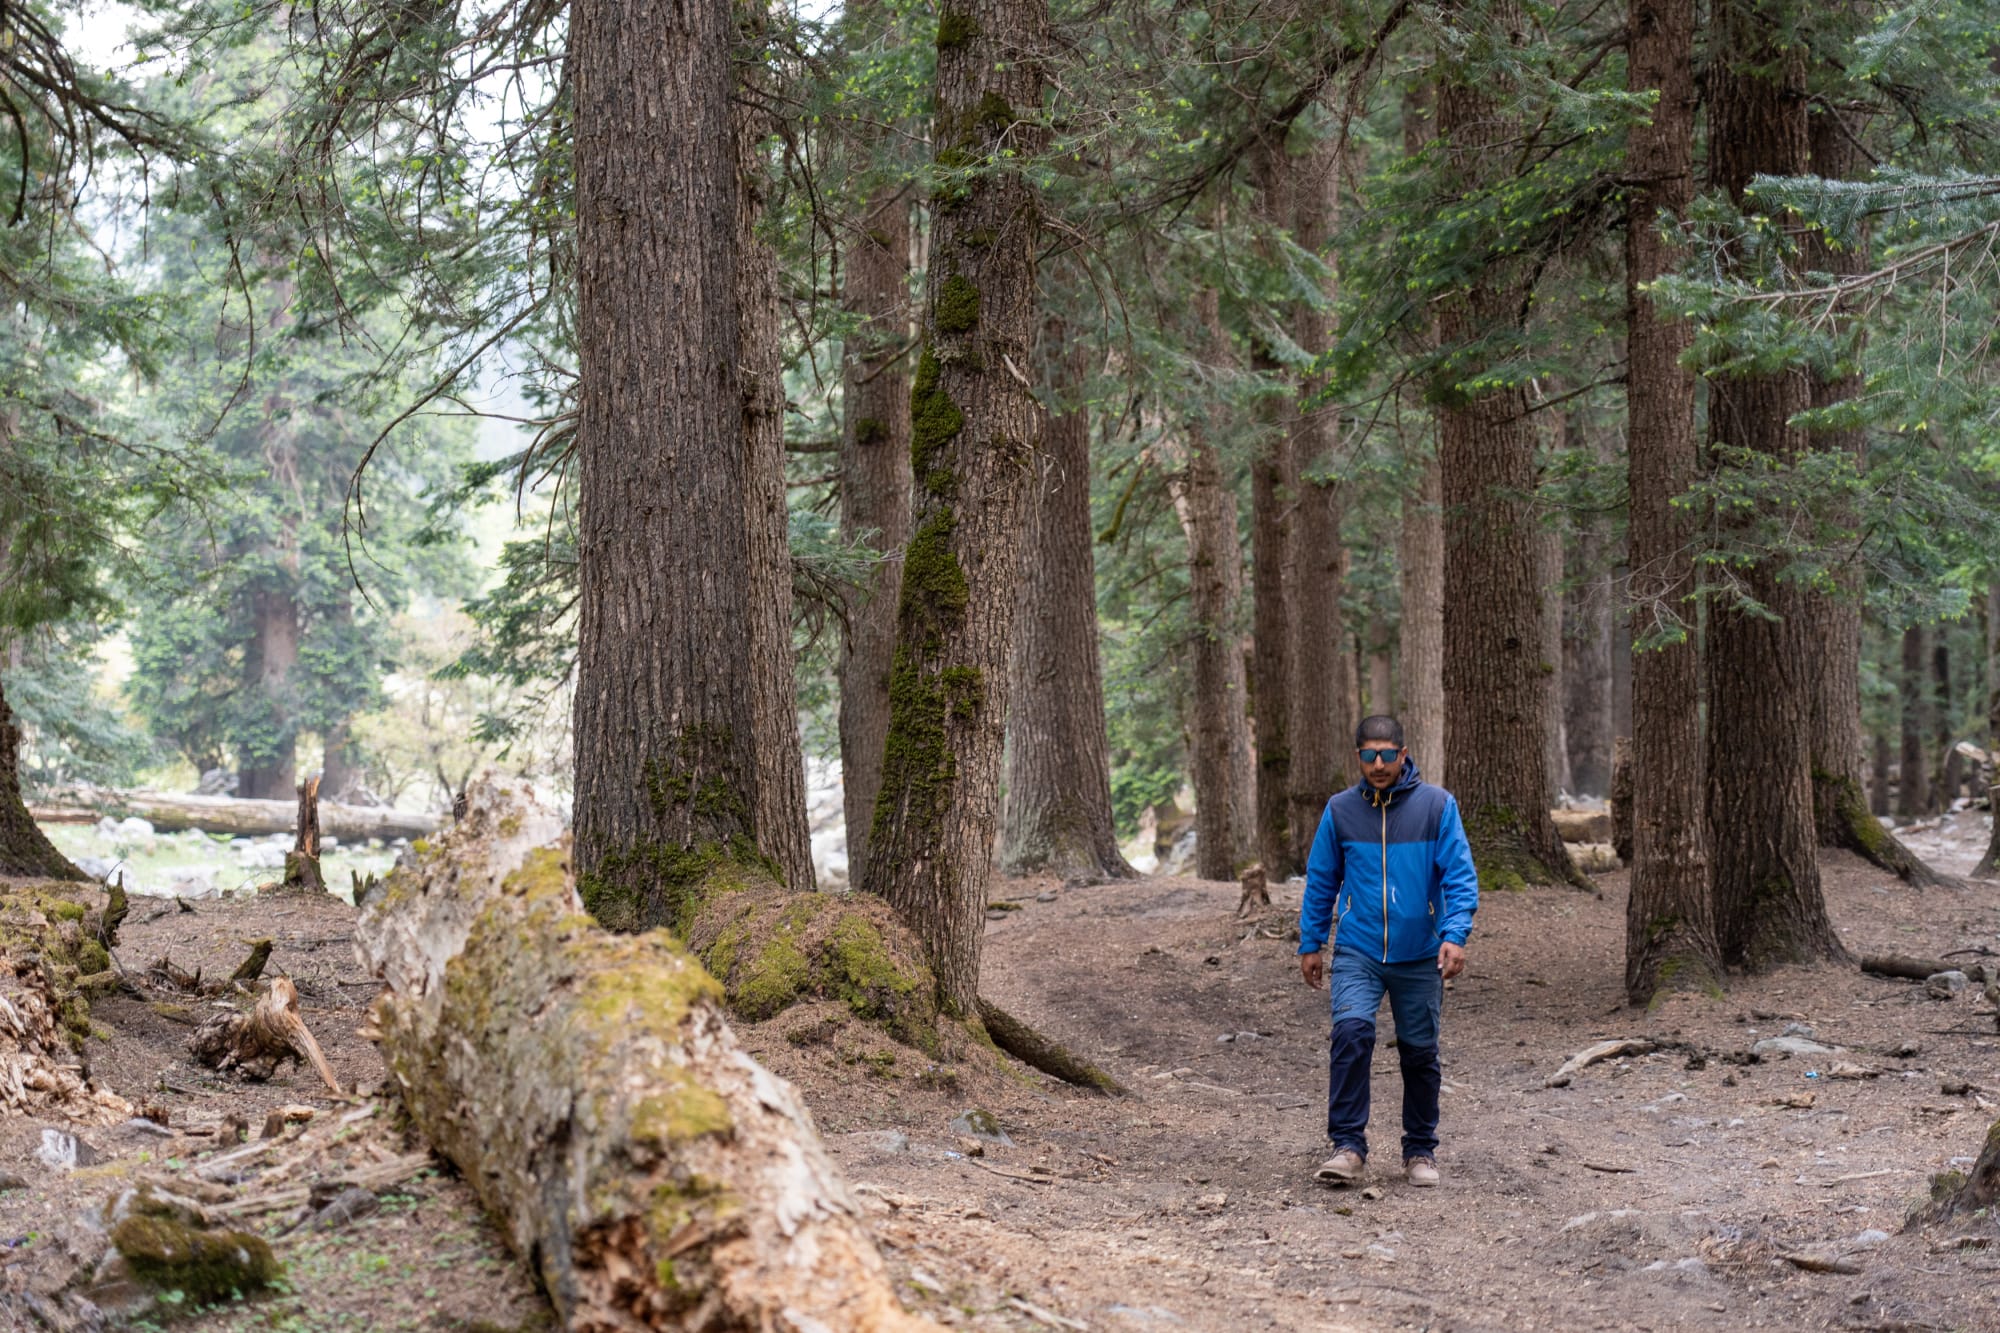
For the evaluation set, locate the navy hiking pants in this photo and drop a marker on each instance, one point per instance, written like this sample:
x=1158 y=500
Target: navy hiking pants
x=1416 y=1000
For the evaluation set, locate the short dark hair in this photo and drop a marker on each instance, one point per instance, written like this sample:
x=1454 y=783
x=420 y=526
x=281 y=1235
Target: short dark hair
x=1380 y=727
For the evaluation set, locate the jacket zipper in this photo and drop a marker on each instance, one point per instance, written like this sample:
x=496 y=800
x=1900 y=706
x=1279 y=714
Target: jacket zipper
x=1385 y=877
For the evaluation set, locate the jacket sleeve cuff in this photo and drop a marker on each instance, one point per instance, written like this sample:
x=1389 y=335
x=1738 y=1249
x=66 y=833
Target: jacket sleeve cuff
x=1457 y=937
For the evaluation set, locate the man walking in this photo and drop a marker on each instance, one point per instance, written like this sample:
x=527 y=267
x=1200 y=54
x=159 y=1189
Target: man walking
x=1391 y=858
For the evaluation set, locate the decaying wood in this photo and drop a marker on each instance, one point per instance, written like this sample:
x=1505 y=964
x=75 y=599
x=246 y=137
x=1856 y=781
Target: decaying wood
x=172 y=813
x=39 y=1073
x=252 y=967
x=1954 y=1196
x=1583 y=825
x=1590 y=1055
x=1256 y=890
x=302 y=862
x=1030 y=1047
x=1915 y=969
x=271 y=1034
x=117 y=907
x=590 y=1090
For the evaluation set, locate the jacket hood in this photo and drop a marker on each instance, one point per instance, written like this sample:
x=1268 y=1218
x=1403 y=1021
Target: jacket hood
x=1412 y=778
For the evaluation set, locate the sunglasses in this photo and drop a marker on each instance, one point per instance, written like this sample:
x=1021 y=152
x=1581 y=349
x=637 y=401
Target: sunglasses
x=1380 y=756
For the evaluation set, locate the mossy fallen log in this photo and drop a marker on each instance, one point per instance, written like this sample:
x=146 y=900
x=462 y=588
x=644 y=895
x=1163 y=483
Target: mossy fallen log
x=588 y=1086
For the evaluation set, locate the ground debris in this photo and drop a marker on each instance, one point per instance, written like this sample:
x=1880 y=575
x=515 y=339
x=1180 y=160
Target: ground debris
x=1590 y=1055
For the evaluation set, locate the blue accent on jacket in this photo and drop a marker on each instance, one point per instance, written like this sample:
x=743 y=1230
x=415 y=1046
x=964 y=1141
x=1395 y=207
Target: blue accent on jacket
x=1430 y=890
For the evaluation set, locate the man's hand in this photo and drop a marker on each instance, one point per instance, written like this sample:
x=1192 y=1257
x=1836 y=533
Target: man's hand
x=1451 y=959
x=1312 y=966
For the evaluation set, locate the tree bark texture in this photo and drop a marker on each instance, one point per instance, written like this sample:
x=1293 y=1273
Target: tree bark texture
x=874 y=494
x=1669 y=921
x=778 y=802
x=650 y=1172
x=1420 y=546
x=1055 y=817
x=975 y=429
x=1950 y=764
x=1496 y=679
x=1319 y=714
x=1587 y=650
x=1769 y=908
x=665 y=729
x=1989 y=864
x=1841 y=816
x=1913 y=779
x=1420 y=570
x=1272 y=613
x=1880 y=773
x=1555 y=733
x=1218 y=727
x=25 y=850
x=270 y=770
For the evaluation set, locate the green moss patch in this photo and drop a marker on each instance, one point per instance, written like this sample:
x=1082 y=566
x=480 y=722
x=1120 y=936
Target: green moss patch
x=772 y=950
x=206 y=1266
x=57 y=921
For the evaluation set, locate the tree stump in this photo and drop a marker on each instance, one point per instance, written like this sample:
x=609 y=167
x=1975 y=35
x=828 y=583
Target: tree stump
x=302 y=862
x=259 y=1041
x=590 y=1090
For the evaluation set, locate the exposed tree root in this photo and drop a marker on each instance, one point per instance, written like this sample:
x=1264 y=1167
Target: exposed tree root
x=1031 y=1048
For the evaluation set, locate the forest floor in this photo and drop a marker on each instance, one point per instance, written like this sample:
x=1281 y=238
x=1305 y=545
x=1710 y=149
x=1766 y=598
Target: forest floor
x=1653 y=1192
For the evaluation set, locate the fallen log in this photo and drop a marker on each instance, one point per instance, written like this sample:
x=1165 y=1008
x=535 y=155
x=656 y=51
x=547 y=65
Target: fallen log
x=242 y=817
x=590 y=1090
x=1582 y=825
x=1913 y=969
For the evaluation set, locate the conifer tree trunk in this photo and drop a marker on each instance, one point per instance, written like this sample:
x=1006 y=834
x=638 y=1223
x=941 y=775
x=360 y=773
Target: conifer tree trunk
x=1950 y=765
x=779 y=801
x=24 y=849
x=974 y=431
x=1879 y=772
x=1319 y=714
x=1420 y=552
x=1989 y=864
x=1496 y=685
x=1669 y=922
x=1055 y=816
x=874 y=494
x=1555 y=735
x=1841 y=816
x=1420 y=565
x=1769 y=908
x=1218 y=727
x=1272 y=612
x=271 y=771
x=1587 y=652
x=1913 y=782
x=666 y=732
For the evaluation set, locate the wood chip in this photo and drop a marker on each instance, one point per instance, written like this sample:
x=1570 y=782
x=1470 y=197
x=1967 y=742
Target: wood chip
x=1611 y=1170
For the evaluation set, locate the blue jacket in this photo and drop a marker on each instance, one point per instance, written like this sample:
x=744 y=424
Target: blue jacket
x=1431 y=889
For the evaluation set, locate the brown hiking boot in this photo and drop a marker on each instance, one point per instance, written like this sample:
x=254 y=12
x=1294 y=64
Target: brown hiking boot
x=1420 y=1171
x=1343 y=1168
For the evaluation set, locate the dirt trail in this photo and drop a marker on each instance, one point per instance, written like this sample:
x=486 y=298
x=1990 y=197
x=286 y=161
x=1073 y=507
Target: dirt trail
x=1653 y=1192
